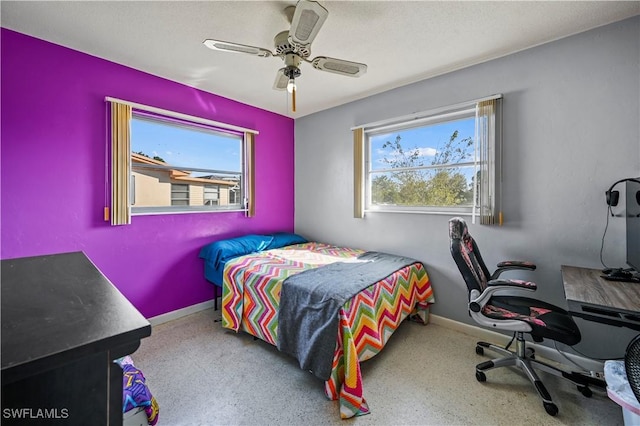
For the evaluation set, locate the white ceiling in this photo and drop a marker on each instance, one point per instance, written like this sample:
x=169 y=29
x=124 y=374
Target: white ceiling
x=400 y=41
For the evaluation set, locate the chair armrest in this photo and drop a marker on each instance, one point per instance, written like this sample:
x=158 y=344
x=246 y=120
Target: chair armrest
x=517 y=264
x=510 y=265
x=527 y=285
x=477 y=300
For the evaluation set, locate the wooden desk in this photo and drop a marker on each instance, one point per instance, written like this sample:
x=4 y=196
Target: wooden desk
x=593 y=298
x=63 y=324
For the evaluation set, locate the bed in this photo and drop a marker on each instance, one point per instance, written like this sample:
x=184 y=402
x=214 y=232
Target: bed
x=278 y=288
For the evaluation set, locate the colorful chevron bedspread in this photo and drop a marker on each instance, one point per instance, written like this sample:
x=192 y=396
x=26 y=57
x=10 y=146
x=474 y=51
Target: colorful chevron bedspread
x=251 y=294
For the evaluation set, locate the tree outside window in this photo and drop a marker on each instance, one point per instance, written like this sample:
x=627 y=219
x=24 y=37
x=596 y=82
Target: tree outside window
x=431 y=166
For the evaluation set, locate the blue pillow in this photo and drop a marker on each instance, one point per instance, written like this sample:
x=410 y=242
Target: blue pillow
x=281 y=239
x=219 y=251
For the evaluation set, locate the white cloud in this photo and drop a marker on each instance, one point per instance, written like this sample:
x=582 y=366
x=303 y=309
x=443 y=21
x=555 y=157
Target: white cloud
x=422 y=152
x=385 y=156
x=427 y=152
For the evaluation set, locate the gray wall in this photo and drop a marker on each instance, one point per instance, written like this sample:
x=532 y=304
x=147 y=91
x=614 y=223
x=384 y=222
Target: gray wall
x=571 y=128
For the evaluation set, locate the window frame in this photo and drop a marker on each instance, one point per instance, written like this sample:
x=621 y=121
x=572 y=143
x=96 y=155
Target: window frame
x=118 y=181
x=431 y=120
x=188 y=208
x=364 y=177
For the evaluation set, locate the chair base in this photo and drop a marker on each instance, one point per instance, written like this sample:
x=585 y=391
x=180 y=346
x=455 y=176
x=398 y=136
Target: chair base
x=524 y=359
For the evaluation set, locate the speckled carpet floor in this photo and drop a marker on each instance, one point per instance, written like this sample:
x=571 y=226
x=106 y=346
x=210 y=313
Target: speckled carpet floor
x=202 y=374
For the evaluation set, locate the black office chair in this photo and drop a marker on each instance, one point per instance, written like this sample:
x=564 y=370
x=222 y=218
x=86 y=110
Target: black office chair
x=513 y=313
x=632 y=365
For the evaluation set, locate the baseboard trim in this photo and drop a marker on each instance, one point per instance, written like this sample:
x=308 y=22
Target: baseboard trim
x=179 y=313
x=501 y=339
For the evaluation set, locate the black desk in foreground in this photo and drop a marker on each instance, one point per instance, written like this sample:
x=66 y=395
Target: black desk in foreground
x=593 y=298
x=63 y=324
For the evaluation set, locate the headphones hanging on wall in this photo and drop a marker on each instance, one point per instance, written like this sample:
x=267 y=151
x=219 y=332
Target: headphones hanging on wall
x=614 y=196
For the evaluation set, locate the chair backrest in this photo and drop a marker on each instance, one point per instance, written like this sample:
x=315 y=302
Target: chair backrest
x=467 y=256
x=632 y=365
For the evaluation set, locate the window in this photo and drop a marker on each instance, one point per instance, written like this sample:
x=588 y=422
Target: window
x=212 y=195
x=442 y=161
x=234 y=195
x=162 y=161
x=178 y=167
x=179 y=194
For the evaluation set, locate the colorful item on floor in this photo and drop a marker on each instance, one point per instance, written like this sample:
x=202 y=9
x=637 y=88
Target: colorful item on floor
x=135 y=391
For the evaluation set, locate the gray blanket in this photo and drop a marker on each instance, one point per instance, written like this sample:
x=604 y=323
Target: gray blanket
x=310 y=301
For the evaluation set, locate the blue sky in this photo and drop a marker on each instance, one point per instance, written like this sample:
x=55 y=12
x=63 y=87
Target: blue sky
x=186 y=148
x=427 y=139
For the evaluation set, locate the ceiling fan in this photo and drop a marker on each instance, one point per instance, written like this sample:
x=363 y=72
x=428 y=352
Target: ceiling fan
x=294 y=47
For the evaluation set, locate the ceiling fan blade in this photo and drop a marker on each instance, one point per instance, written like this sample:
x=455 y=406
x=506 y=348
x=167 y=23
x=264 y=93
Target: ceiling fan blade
x=339 y=66
x=227 y=46
x=281 y=80
x=306 y=22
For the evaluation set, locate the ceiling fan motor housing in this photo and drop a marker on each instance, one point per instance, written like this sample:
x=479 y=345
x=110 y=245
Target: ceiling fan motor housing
x=283 y=46
x=292 y=60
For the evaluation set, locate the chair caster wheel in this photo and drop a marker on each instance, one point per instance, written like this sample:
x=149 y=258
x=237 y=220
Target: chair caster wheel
x=480 y=376
x=584 y=390
x=479 y=350
x=551 y=408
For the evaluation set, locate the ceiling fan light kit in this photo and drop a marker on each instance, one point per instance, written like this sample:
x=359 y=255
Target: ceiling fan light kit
x=294 y=47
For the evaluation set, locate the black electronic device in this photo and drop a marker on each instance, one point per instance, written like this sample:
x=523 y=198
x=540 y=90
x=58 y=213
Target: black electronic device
x=619 y=274
x=627 y=279
x=613 y=197
x=632 y=196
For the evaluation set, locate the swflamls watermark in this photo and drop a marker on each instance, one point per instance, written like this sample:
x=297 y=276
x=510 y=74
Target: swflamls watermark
x=35 y=413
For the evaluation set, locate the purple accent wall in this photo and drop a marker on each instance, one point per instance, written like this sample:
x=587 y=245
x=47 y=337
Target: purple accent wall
x=53 y=139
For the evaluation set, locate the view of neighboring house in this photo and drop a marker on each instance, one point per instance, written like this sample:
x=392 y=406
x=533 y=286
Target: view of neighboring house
x=156 y=184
